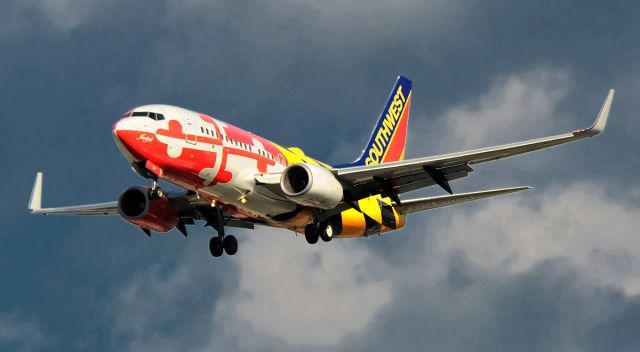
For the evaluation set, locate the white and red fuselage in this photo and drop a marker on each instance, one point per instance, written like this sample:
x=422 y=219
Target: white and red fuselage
x=214 y=159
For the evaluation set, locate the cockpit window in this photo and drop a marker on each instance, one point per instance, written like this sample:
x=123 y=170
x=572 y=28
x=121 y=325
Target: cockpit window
x=151 y=115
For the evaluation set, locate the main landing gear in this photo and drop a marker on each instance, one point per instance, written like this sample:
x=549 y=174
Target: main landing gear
x=222 y=243
x=155 y=192
x=227 y=244
x=218 y=244
x=316 y=230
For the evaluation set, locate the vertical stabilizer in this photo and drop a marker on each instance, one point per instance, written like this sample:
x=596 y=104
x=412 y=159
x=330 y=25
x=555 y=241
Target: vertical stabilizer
x=389 y=135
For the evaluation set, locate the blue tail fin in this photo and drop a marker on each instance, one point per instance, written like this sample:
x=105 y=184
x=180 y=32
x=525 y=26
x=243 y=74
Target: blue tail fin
x=389 y=135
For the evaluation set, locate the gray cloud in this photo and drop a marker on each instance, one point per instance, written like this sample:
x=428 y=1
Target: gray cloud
x=59 y=15
x=19 y=333
x=540 y=265
x=305 y=296
x=515 y=106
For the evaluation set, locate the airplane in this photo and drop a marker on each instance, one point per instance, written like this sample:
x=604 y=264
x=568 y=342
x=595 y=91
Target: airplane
x=232 y=178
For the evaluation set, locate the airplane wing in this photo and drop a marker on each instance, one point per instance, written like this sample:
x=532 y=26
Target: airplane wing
x=397 y=177
x=35 y=204
x=188 y=205
x=415 y=205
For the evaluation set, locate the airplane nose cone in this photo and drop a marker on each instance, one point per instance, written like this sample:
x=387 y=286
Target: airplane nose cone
x=115 y=128
x=124 y=135
x=123 y=127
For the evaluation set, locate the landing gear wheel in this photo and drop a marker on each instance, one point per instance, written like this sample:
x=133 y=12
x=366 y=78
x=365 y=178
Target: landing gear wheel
x=311 y=233
x=230 y=244
x=156 y=193
x=215 y=246
x=326 y=233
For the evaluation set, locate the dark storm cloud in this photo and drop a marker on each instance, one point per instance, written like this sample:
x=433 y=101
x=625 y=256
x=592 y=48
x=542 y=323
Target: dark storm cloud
x=310 y=75
x=549 y=308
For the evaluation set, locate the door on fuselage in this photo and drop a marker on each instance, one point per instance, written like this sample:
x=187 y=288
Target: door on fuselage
x=189 y=130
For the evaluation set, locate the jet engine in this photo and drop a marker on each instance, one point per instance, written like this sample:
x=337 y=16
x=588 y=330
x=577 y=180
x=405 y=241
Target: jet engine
x=311 y=185
x=136 y=206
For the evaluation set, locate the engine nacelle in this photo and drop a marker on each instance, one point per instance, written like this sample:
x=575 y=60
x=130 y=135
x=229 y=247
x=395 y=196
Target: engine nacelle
x=311 y=185
x=136 y=207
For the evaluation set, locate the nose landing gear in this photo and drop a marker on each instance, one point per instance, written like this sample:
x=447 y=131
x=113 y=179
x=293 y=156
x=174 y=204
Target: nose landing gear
x=156 y=192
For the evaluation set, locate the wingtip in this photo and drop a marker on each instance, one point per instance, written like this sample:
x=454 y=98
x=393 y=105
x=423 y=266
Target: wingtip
x=518 y=189
x=35 y=201
x=512 y=189
x=601 y=121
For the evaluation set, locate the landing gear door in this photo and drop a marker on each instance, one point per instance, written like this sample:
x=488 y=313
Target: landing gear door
x=189 y=130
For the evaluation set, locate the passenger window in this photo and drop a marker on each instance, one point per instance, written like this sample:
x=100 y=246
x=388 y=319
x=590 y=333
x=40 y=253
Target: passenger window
x=202 y=129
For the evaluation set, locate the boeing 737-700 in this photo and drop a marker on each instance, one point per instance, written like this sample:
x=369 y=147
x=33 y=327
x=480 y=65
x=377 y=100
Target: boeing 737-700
x=234 y=178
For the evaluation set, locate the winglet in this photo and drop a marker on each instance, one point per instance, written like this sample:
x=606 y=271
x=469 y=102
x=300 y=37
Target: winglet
x=35 y=202
x=601 y=121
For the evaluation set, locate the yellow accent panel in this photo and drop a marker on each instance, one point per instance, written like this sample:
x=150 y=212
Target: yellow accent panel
x=296 y=155
x=353 y=223
x=401 y=220
x=297 y=151
x=370 y=207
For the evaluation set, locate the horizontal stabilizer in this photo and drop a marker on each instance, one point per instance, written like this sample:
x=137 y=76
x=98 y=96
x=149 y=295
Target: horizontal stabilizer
x=414 y=205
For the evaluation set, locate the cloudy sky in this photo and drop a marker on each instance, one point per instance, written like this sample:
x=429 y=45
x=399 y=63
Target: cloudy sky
x=554 y=269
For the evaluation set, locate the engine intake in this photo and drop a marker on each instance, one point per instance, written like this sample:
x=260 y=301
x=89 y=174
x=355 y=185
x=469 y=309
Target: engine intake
x=136 y=207
x=311 y=185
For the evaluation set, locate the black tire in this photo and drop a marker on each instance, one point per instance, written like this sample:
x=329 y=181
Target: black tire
x=215 y=246
x=326 y=233
x=156 y=193
x=230 y=244
x=311 y=234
